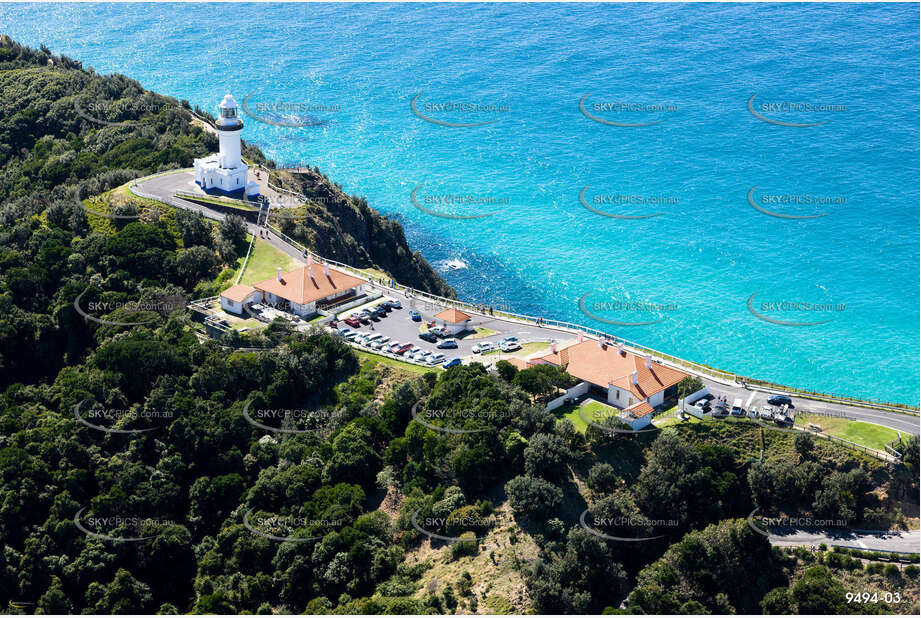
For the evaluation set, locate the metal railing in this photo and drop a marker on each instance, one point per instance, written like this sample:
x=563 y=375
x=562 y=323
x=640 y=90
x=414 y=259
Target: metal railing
x=571 y=327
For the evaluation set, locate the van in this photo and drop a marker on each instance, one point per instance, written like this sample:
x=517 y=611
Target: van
x=737 y=408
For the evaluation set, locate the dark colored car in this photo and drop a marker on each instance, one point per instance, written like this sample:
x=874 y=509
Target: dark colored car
x=447 y=344
x=414 y=315
x=406 y=348
x=779 y=400
x=428 y=337
x=454 y=362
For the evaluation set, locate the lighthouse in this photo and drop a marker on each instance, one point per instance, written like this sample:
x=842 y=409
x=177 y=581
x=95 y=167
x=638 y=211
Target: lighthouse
x=225 y=170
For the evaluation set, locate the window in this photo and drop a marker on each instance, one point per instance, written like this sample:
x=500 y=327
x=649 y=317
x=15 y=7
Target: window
x=228 y=112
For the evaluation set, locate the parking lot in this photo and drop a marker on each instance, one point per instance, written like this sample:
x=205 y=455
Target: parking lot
x=398 y=326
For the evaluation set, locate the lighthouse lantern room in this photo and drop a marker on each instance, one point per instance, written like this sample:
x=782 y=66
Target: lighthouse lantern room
x=225 y=171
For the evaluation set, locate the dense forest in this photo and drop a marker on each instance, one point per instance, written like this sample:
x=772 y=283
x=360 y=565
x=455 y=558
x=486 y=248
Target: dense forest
x=133 y=478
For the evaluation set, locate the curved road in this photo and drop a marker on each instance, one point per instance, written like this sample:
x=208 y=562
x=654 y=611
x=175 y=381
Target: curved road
x=164 y=187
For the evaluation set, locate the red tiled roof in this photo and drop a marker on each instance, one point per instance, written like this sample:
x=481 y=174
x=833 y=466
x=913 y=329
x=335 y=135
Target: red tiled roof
x=238 y=293
x=297 y=286
x=519 y=363
x=639 y=410
x=452 y=316
x=590 y=362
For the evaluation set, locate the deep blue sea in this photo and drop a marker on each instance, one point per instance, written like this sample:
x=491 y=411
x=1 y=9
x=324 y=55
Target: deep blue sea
x=669 y=128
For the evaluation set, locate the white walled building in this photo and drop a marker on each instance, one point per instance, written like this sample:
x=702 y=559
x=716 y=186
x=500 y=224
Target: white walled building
x=225 y=170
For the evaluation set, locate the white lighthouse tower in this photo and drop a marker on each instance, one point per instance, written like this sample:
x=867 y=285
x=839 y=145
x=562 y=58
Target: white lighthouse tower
x=226 y=171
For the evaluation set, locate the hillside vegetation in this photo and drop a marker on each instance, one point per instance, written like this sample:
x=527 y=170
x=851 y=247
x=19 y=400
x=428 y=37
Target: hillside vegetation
x=144 y=468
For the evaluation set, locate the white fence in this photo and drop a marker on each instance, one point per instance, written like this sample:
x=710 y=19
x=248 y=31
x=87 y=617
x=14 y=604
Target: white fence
x=571 y=395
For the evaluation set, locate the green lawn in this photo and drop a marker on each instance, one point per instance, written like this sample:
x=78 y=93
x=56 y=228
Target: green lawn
x=594 y=411
x=866 y=434
x=263 y=262
x=527 y=349
x=390 y=362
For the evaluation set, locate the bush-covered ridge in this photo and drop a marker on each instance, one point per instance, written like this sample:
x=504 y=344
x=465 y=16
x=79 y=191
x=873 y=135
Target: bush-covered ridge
x=203 y=490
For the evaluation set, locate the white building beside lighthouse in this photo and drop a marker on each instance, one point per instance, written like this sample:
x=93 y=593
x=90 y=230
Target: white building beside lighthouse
x=225 y=171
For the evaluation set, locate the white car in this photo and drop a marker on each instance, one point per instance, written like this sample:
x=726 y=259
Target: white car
x=419 y=355
x=380 y=343
x=485 y=346
x=767 y=412
x=510 y=346
x=434 y=359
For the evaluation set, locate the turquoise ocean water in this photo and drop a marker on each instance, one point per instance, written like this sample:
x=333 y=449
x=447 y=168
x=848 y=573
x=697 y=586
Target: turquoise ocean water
x=848 y=281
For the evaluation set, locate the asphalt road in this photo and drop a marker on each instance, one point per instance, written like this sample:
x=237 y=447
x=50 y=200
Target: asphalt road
x=909 y=542
x=399 y=326
x=900 y=422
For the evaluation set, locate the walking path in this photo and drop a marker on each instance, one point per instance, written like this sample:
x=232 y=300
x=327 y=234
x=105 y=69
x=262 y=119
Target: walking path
x=163 y=187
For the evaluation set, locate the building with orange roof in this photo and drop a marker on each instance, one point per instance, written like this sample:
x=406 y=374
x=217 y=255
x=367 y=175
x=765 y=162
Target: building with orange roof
x=629 y=382
x=453 y=321
x=299 y=291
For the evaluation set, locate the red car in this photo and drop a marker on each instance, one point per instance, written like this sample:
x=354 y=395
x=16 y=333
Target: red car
x=352 y=321
x=403 y=350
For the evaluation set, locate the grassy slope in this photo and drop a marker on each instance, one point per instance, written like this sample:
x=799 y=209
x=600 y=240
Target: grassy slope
x=867 y=434
x=263 y=262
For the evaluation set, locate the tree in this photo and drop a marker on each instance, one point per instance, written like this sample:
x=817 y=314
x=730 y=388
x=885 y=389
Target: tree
x=533 y=497
x=804 y=445
x=195 y=264
x=689 y=386
x=818 y=592
x=193 y=228
x=601 y=478
x=547 y=456
x=506 y=370
x=777 y=601
x=231 y=237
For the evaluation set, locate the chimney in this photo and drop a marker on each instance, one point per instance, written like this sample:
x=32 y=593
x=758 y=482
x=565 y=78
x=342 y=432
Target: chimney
x=326 y=269
x=553 y=348
x=636 y=377
x=278 y=273
x=310 y=271
x=649 y=361
x=309 y=259
x=620 y=348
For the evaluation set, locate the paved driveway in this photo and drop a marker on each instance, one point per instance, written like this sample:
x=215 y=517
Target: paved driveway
x=399 y=327
x=163 y=188
x=908 y=542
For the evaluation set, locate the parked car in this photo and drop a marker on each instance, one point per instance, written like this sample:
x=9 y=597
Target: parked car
x=428 y=337
x=509 y=346
x=434 y=359
x=419 y=354
x=415 y=316
x=454 y=362
x=737 y=409
x=378 y=310
x=779 y=400
x=446 y=344
x=381 y=343
x=484 y=346
x=352 y=336
x=702 y=405
x=404 y=349
x=508 y=340
x=395 y=304
x=333 y=324
x=439 y=332
x=720 y=410
x=352 y=321
x=344 y=330
x=394 y=347
x=767 y=412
